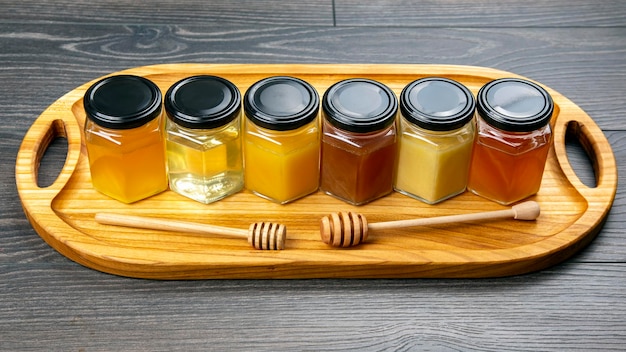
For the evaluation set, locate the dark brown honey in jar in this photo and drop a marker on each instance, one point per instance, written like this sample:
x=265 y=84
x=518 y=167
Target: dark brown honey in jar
x=512 y=142
x=358 y=140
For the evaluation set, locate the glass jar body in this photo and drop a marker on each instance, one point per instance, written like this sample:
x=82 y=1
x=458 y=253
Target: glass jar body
x=127 y=164
x=281 y=166
x=357 y=167
x=508 y=166
x=433 y=165
x=205 y=165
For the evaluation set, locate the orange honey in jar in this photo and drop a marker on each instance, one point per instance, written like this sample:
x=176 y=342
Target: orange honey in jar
x=512 y=142
x=124 y=138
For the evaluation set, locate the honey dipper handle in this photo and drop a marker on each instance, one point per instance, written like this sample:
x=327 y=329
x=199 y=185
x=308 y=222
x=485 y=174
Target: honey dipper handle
x=167 y=225
x=523 y=211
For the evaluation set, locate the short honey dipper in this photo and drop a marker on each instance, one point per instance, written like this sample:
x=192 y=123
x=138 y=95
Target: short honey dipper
x=346 y=229
x=260 y=235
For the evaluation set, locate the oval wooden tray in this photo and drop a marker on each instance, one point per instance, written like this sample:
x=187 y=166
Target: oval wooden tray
x=63 y=213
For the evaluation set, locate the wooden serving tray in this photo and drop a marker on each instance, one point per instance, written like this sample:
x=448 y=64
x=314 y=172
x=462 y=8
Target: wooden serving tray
x=63 y=213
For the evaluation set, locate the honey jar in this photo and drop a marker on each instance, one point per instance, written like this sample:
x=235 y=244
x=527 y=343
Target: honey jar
x=513 y=139
x=203 y=138
x=436 y=138
x=124 y=138
x=358 y=140
x=281 y=139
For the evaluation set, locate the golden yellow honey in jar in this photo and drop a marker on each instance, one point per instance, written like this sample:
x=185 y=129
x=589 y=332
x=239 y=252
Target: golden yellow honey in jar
x=436 y=139
x=282 y=139
x=124 y=139
x=203 y=138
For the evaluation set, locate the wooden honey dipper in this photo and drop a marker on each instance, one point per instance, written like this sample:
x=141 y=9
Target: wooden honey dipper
x=260 y=235
x=346 y=229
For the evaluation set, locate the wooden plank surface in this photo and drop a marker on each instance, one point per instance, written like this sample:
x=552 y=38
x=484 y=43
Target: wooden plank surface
x=50 y=303
x=556 y=309
x=482 y=14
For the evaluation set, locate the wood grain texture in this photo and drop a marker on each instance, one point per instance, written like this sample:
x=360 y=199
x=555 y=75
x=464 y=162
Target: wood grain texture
x=489 y=13
x=48 y=302
x=274 y=12
x=377 y=13
x=63 y=213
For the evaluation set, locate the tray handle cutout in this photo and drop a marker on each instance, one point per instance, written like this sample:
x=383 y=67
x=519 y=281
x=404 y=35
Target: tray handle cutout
x=37 y=141
x=47 y=166
x=580 y=151
x=581 y=130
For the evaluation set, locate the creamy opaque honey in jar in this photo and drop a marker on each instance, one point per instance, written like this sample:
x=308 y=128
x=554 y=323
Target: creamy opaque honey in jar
x=358 y=140
x=203 y=138
x=281 y=139
x=512 y=141
x=436 y=138
x=124 y=138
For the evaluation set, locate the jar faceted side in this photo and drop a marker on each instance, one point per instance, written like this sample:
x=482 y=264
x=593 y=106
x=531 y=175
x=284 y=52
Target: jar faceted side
x=351 y=164
x=433 y=166
x=128 y=165
x=205 y=165
x=507 y=167
x=282 y=166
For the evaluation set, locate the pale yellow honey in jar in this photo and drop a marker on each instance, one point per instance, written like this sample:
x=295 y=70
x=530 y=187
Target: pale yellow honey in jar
x=124 y=139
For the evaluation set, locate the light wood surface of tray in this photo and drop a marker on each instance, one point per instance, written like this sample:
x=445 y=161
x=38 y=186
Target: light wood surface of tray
x=63 y=213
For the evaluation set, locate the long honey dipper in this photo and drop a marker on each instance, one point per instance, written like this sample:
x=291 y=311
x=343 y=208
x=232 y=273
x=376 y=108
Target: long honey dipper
x=346 y=229
x=260 y=235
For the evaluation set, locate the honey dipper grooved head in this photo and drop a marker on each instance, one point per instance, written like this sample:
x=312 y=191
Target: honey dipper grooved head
x=343 y=229
x=267 y=235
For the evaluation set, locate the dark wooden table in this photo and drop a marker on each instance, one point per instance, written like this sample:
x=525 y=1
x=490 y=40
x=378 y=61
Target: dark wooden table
x=48 y=302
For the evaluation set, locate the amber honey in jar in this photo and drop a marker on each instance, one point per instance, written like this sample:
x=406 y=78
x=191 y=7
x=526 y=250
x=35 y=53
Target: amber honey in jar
x=358 y=140
x=436 y=138
x=281 y=139
x=124 y=138
x=203 y=138
x=513 y=139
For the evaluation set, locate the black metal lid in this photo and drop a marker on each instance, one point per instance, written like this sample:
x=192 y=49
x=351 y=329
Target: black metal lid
x=514 y=105
x=281 y=103
x=360 y=105
x=122 y=102
x=437 y=104
x=202 y=102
